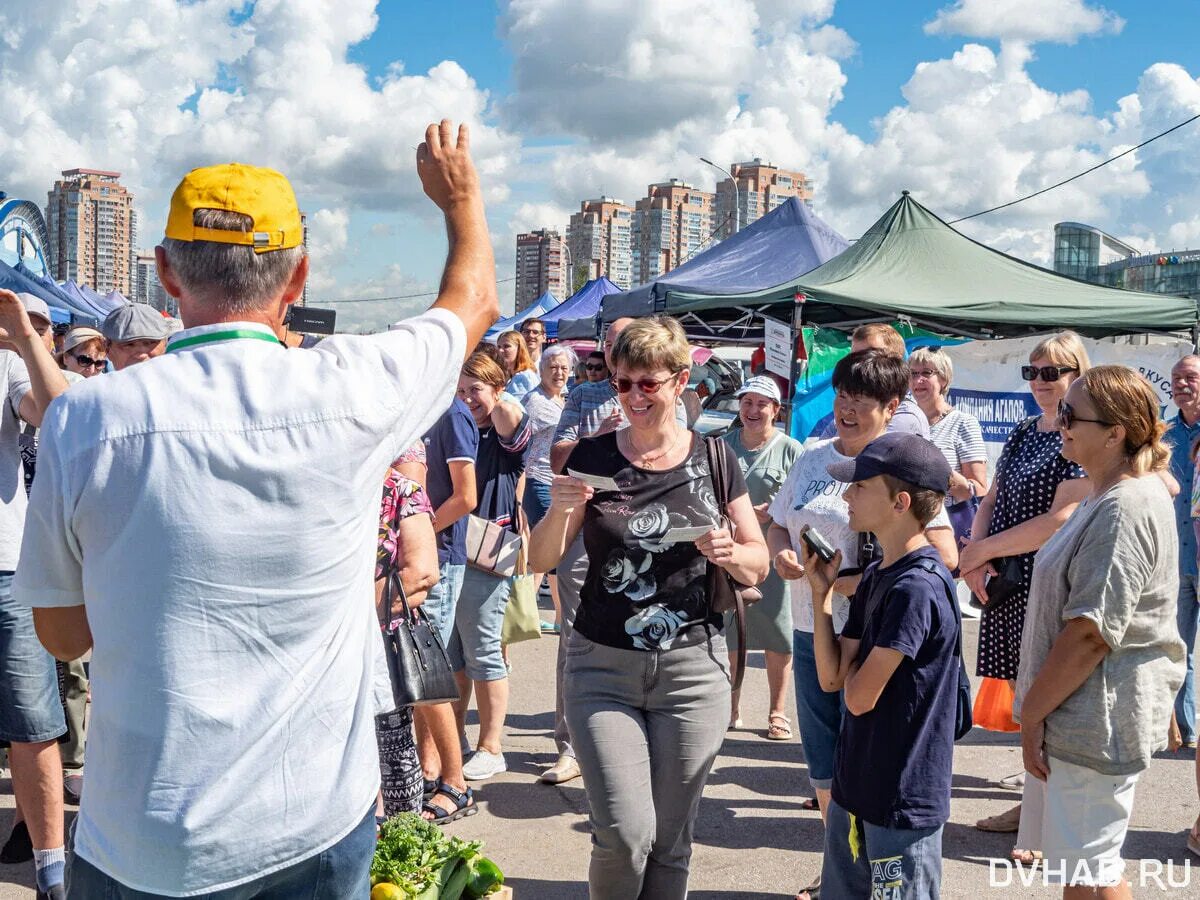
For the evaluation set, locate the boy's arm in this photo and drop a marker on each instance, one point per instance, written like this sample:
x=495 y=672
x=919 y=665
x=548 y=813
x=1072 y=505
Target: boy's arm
x=865 y=686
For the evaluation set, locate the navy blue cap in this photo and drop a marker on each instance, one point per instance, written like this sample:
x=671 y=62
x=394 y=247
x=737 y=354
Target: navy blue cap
x=908 y=457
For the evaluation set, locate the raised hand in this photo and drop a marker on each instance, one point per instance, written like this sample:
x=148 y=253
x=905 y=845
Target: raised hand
x=15 y=327
x=821 y=574
x=445 y=167
x=567 y=493
x=717 y=546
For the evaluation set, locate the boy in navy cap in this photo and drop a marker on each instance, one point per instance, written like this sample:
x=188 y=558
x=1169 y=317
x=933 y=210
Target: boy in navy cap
x=897 y=663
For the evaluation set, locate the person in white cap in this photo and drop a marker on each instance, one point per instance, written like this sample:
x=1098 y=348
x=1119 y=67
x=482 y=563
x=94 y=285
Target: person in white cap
x=31 y=717
x=765 y=455
x=135 y=333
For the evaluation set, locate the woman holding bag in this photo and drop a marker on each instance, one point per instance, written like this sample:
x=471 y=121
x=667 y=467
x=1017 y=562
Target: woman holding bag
x=647 y=678
x=474 y=648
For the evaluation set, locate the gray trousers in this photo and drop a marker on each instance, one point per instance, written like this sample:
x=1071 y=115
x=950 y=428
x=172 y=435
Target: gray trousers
x=646 y=726
x=75 y=707
x=571 y=572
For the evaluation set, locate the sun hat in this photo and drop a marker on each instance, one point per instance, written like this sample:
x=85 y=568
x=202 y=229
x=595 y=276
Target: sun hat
x=761 y=384
x=263 y=195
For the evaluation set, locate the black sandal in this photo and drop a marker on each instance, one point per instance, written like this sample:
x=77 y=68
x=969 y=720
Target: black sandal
x=464 y=805
x=429 y=788
x=813 y=890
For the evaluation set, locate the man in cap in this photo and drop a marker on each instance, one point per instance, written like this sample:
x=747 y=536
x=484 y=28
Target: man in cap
x=230 y=609
x=135 y=333
x=31 y=717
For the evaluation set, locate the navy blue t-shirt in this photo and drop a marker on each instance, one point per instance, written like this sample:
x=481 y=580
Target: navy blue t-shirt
x=893 y=764
x=453 y=437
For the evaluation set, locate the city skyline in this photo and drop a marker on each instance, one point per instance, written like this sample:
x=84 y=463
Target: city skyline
x=968 y=104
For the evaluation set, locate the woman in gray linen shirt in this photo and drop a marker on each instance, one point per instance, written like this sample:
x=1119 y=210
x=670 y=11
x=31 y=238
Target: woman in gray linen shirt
x=1101 y=658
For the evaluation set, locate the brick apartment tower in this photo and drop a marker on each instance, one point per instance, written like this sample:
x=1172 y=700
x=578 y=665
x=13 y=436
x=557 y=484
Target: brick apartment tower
x=93 y=231
x=760 y=188
x=541 y=267
x=600 y=238
x=670 y=225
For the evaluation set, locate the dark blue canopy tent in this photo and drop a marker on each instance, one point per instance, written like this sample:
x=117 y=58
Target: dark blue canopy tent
x=25 y=282
x=583 y=304
x=537 y=309
x=785 y=243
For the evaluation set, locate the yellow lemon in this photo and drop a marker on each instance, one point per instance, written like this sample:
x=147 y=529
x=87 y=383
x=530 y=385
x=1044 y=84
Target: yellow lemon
x=387 y=891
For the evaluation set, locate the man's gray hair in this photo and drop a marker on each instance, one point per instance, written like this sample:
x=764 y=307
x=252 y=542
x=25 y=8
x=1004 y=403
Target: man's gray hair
x=230 y=278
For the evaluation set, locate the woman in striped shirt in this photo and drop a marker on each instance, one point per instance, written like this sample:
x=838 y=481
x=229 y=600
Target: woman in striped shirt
x=956 y=433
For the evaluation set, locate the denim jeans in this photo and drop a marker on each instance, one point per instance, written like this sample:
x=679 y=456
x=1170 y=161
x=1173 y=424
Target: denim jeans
x=646 y=726
x=865 y=860
x=442 y=600
x=818 y=713
x=1187 y=615
x=341 y=872
x=474 y=646
x=30 y=709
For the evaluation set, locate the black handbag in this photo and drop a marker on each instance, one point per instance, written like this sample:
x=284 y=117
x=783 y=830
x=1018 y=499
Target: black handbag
x=1006 y=584
x=417 y=662
x=725 y=594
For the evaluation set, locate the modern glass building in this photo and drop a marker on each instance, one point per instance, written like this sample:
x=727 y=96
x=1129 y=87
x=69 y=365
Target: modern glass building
x=23 y=235
x=1089 y=254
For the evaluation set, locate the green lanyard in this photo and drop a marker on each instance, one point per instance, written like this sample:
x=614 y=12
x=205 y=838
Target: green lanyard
x=214 y=336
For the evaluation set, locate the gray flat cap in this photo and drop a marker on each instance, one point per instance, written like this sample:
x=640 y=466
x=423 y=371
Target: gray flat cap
x=35 y=306
x=135 y=322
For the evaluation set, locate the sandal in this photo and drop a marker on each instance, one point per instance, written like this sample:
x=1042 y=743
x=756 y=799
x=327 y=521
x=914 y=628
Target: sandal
x=429 y=788
x=464 y=805
x=810 y=804
x=1025 y=857
x=1007 y=822
x=812 y=892
x=776 y=731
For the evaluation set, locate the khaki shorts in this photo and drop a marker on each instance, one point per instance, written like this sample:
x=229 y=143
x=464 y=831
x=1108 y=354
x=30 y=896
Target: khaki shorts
x=1078 y=819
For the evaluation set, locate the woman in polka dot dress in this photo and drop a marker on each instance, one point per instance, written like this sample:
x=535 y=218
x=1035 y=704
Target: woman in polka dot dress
x=1034 y=493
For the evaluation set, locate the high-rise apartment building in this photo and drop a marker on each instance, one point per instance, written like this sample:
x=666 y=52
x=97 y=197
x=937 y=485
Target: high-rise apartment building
x=93 y=230
x=541 y=266
x=600 y=238
x=670 y=224
x=146 y=286
x=760 y=188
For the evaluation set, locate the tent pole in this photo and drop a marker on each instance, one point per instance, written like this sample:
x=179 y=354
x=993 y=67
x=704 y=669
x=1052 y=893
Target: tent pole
x=1196 y=338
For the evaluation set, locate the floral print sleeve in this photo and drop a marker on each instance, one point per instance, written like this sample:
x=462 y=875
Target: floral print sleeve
x=402 y=497
x=415 y=453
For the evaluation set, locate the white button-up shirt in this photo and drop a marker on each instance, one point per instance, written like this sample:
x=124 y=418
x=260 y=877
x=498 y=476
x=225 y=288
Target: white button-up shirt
x=216 y=510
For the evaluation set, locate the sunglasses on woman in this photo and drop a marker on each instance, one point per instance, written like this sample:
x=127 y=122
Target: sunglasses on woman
x=1046 y=373
x=1066 y=415
x=645 y=385
x=87 y=362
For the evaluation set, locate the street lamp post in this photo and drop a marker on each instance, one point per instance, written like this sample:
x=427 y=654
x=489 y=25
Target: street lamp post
x=737 y=195
x=570 y=266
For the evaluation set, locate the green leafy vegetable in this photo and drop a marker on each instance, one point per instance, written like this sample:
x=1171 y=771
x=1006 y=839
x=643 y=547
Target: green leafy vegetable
x=420 y=858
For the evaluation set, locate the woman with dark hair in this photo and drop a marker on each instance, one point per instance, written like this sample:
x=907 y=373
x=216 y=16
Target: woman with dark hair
x=1101 y=657
x=647 y=679
x=868 y=386
x=474 y=648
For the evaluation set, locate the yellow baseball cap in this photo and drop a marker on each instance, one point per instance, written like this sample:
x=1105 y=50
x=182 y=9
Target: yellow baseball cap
x=262 y=194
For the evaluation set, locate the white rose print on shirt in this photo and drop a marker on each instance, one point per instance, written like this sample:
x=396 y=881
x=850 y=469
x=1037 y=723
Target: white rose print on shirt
x=628 y=572
x=648 y=526
x=654 y=628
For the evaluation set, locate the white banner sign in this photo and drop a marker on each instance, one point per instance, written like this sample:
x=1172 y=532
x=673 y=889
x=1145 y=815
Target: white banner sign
x=987 y=379
x=778 y=345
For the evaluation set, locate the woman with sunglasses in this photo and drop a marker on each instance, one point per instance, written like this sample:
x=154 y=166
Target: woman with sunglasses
x=1034 y=492
x=1101 y=657
x=647 y=678
x=84 y=352
x=518 y=366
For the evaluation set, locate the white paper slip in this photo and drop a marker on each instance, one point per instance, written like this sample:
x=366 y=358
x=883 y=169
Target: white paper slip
x=686 y=533
x=599 y=482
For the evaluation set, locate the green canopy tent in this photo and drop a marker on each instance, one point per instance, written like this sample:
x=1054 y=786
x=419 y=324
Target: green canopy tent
x=910 y=264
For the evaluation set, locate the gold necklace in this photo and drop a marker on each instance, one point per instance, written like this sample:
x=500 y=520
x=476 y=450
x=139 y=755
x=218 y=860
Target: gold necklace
x=649 y=461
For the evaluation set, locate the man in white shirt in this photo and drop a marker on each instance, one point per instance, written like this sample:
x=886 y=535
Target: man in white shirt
x=230 y=609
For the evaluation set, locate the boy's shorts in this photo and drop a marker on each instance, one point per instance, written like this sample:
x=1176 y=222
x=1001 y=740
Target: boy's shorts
x=865 y=860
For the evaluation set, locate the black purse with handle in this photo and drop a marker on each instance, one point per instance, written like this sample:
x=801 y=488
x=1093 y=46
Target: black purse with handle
x=724 y=593
x=418 y=665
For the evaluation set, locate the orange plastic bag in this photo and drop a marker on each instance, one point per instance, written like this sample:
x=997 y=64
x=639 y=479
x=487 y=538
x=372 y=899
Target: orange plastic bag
x=993 y=706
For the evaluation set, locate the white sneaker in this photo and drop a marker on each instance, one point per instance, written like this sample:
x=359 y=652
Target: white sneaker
x=483 y=765
x=564 y=770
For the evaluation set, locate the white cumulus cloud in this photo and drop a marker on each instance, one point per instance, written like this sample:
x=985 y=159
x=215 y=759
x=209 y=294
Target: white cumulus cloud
x=1056 y=21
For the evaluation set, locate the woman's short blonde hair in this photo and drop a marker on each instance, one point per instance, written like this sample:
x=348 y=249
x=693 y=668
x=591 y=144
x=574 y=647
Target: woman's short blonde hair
x=1124 y=397
x=934 y=358
x=1063 y=349
x=655 y=342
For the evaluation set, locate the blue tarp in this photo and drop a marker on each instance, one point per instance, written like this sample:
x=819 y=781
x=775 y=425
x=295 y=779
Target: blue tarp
x=540 y=307
x=785 y=243
x=583 y=304
x=25 y=282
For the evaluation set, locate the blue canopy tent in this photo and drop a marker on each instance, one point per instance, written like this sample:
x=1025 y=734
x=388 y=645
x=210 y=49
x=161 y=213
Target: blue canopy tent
x=539 y=308
x=583 y=304
x=785 y=243
x=25 y=282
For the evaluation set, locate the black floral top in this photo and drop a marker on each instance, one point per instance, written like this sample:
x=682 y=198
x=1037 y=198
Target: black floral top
x=641 y=593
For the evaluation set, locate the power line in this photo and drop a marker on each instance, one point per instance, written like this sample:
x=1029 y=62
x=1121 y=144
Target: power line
x=402 y=296
x=1080 y=175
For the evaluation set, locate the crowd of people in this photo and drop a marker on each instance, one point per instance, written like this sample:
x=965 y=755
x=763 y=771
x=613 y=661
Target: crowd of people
x=207 y=521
